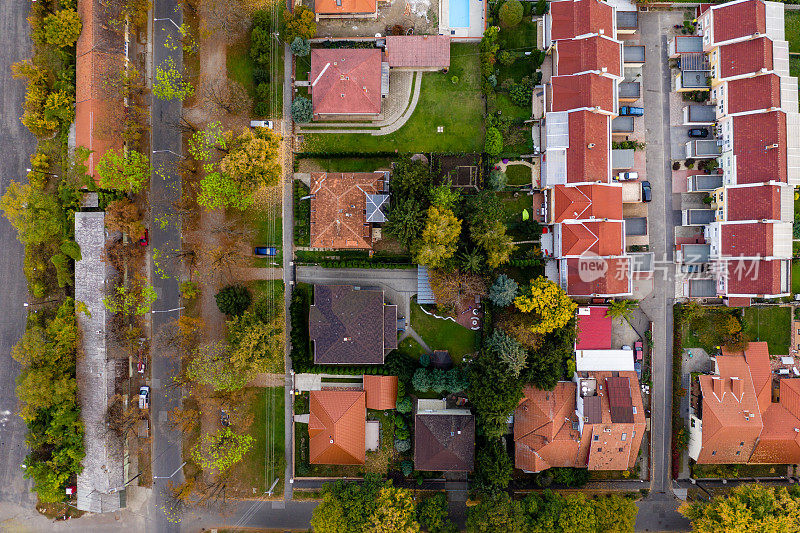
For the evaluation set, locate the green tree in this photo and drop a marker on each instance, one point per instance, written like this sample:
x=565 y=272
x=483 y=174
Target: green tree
x=300 y=47
x=751 y=507
x=347 y=506
x=299 y=23
x=510 y=13
x=439 y=238
x=509 y=351
x=492 y=238
x=126 y=171
x=411 y=179
x=494 y=394
x=552 y=359
x=422 y=380
x=395 y=512
x=471 y=261
x=217 y=452
x=134 y=300
x=577 y=515
x=62 y=28
x=256 y=346
x=211 y=365
x=493 y=467
x=494 y=141
x=210 y=138
x=233 y=300
x=406 y=221
x=302 y=109
x=34 y=213
x=497 y=514
x=432 y=514
x=503 y=291
x=614 y=513
x=171 y=83
x=445 y=197
x=622 y=309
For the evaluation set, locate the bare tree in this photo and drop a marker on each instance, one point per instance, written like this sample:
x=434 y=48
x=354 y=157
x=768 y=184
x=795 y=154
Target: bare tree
x=121 y=420
x=227 y=96
x=454 y=291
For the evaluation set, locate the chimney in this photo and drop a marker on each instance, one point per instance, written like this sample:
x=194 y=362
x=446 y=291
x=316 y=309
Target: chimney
x=737 y=387
x=590 y=145
x=716 y=386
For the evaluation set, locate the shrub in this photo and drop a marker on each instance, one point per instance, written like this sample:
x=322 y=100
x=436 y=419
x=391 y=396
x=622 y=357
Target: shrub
x=521 y=94
x=454 y=79
x=497 y=180
x=494 y=141
x=402 y=446
x=541 y=8
x=189 y=289
x=302 y=109
x=233 y=300
x=506 y=58
x=300 y=47
x=510 y=13
x=404 y=404
x=407 y=467
x=425 y=360
x=260 y=75
x=261 y=109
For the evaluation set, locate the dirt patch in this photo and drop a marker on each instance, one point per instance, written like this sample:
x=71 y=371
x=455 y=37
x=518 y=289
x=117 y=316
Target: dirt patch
x=267 y=380
x=418 y=16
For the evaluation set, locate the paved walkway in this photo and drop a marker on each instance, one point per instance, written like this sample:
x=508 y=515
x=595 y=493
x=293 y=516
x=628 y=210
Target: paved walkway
x=414 y=335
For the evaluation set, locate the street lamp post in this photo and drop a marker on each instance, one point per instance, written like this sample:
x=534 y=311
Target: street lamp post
x=169 y=19
x=41 y=172
x=169 y=152
x=167 y=310
x=172 y=474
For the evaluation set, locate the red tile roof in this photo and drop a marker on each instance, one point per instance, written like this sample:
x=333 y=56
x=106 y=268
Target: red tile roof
x=745 y=57
x=581 y=202
x=592 y=53
x=543 y=434
x=589 y=147
x=338 y=216
x=753 y=203
x=754 y=277
x=759 y=144
x=337 y=427
x=571 y=19
x=422 y=51
x=381 y=391
x=739 y=20
x=613 y=279
x=582 y=91
x=754 y=93
x=747 y=240
x=336 y=7
x=594 y=329
x=602 y=238
x=346 y=81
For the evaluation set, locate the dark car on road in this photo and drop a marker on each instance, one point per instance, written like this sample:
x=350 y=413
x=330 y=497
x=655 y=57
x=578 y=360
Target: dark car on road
x=265 y=251
x=647 y=194
x=698 y=133
x=627 y=111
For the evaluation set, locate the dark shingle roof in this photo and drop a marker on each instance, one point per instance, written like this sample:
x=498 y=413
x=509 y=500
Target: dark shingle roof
x=389 y=328
x=347 y=325
x=444 y=442
x=619 y=398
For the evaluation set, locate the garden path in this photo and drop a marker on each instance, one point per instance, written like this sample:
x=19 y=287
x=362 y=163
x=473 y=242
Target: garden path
x=414 y=335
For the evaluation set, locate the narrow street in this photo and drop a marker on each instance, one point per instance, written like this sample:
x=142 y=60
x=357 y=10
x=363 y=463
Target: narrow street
x=16 y=146
x=165 y=189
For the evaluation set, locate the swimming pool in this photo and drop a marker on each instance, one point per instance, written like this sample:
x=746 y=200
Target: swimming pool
x=459 y=13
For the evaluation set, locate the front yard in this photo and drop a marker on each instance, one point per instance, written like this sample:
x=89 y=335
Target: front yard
x=443 y=334
x=457 y=107
x=792 y=21
x=770 y=324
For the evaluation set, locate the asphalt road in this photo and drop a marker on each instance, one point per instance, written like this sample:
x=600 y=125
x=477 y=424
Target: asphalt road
x=165 y=189
x=16 y=145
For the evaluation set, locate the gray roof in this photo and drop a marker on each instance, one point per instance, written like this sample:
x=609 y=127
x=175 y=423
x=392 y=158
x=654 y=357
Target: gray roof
x=376 y=207
x=685 y=44
x=696 y=253
x=627 y=19
x=424 y=291
x=706 y=182
x=633 y=54
x=622 y=124
x=695 y=61
x=103 y=463
x=622 y=159
x=636 y=226
x=702 y=113
x=702 y=288
x=629 y=89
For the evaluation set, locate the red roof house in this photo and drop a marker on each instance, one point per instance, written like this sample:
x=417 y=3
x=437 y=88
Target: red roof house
x=594 y=329
x=754 y=93
x=596 y=53
x=760 y=202
x=345 y=81
x=745 y=57
x=597 y=277
x=582 y=91
x=588 y=155
x=418 y=52
x=584 y=202
x=760 y=147
x=741 y=19
x=337 y=427
x=572 y=19
x=346 y=8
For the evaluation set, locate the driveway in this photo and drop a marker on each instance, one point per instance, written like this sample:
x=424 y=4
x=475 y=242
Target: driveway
x=399 y=284
x=16 y=145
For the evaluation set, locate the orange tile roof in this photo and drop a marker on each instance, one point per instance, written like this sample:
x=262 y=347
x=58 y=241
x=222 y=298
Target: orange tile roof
x=337 y=427
x=603 y=238
x=754 y=93
x=753 y=203
x=745 y=57
x=589 y=147
x=582 y=91
x=340 y=7
x=582 y=202
x=346 y=81
x=338 y=209
x=570 y=19
x=592 y=53
x=543 y=434
x=742 y=19
x=760 y=147
x=423 y=51
x=381 y=391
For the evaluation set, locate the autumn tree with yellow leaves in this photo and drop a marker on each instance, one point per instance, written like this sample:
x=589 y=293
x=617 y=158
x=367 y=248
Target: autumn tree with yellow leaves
x=547 y=302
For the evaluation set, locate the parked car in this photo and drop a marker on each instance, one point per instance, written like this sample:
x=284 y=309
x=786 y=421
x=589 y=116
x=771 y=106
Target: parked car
x=627 y=176
x=144 y=397
x=638 y=346
x=628 y=111
x=261 y=124
x=647 y=194
x=698 y=133
x=265 y=251
x=145 y=240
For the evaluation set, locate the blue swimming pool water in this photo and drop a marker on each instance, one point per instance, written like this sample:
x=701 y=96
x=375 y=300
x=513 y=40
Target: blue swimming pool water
x=459 y=13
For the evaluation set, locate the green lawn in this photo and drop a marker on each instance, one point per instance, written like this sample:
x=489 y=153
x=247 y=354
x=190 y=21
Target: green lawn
x=769 y=324
x=521 y=36
x=456 y=107
x=512 y=207
x=793 y=30
x=518 y=174
x=240 y=66
x=508 y=108
x=443 y=334
x=796 y=276
x=411 y=347
x=268 y=226
x=265 y=461
x=794 y=66
x=352 y=164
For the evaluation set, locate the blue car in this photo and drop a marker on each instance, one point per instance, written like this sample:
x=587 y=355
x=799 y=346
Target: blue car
x=627 y=111
x=265 y=251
